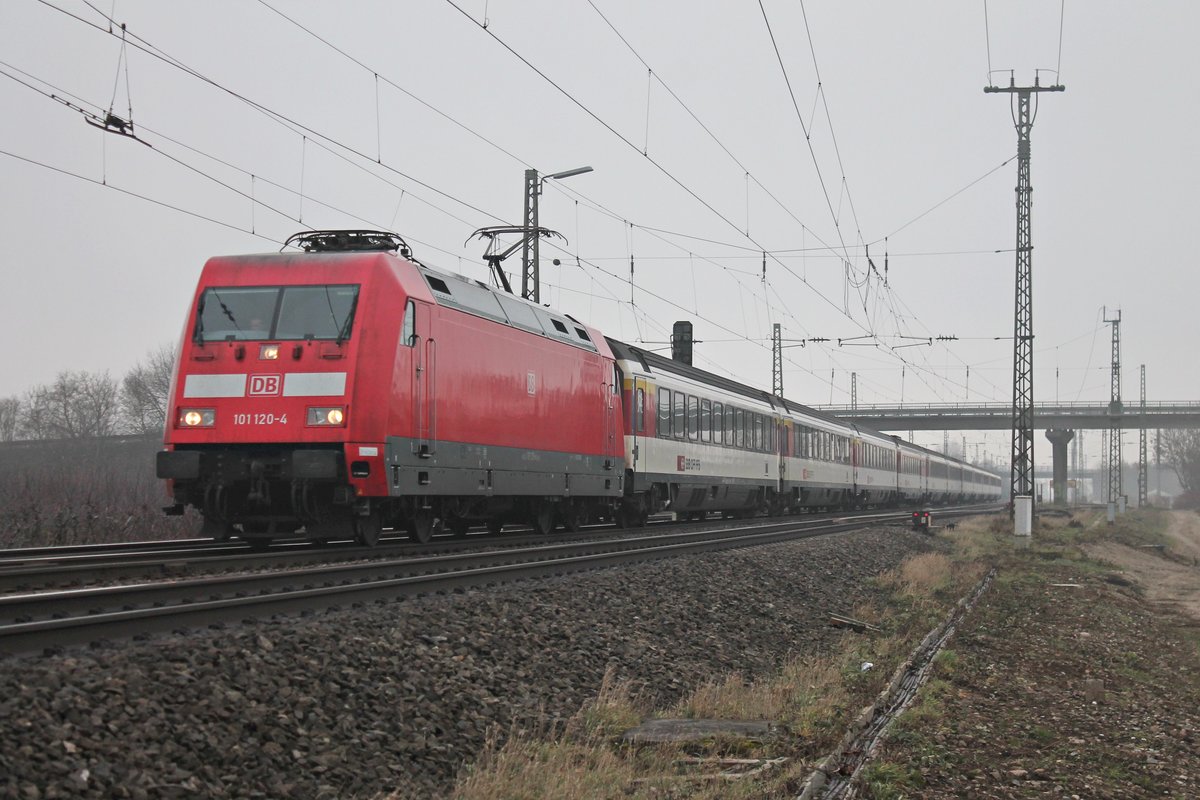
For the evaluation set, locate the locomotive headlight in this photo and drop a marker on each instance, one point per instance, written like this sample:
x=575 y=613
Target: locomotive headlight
x=327 y=416
x=269 y=352
x=197 y=417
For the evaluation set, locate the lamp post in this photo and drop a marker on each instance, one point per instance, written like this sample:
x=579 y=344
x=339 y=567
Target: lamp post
x=530 y=269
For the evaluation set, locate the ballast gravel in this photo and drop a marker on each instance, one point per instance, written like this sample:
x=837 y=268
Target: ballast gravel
x=398 y=696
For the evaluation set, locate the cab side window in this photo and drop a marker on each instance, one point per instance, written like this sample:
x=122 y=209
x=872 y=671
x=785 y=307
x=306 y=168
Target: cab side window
x=408 y=333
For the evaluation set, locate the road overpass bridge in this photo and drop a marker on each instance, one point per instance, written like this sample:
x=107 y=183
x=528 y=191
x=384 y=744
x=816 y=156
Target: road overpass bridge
x=984 y=417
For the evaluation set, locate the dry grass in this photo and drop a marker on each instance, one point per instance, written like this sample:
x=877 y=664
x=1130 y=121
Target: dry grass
x=812 y=699
x=920 y=576
x=580 y=762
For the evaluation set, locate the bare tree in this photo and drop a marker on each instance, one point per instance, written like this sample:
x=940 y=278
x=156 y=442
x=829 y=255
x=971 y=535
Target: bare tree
x=1181 y=450
x=77 y=405
x=145 y=391
x=10 y=411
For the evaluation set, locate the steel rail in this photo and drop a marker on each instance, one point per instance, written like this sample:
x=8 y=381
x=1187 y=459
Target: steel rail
x=71 y=566
x=360 y=583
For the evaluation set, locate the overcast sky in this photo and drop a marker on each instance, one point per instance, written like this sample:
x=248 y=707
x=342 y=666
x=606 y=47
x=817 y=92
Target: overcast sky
x=425 y=122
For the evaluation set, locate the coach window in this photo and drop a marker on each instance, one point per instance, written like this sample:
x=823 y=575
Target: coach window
x=718 y=423
x=706 y=420
x=664 y=412
x=639 y=410
x=739 y=430
x=730 y=426
x=679 y=426
x=409 y=329
x=693 y=414
x=758 y=432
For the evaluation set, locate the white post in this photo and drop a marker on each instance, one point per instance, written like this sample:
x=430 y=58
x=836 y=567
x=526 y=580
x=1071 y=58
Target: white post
x=1023 y=506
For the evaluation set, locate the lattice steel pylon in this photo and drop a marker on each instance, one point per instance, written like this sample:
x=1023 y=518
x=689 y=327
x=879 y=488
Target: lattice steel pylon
x=1115 y=410
x=777 y=360
x=1143 y=463
x=1021 y=473
x=854 y=393
x=530 y=249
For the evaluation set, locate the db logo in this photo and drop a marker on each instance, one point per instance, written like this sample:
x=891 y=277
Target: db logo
x=264 y=385
x=680 y=463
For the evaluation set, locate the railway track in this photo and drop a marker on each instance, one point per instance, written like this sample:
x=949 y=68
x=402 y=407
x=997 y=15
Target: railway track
x=29 y=569
x=38 y=621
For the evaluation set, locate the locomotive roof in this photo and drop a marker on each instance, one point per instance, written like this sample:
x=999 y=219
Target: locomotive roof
x=478 y=298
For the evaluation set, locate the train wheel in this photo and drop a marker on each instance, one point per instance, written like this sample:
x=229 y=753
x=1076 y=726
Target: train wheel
x=421 y=527
x=458 y=526
x=216 y=530
x=543 y=519
x=574 y=518
x=323 y=532
x=368 y=529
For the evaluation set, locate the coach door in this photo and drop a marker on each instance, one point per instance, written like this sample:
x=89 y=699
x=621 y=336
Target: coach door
x=424 y=382
x=639 y=424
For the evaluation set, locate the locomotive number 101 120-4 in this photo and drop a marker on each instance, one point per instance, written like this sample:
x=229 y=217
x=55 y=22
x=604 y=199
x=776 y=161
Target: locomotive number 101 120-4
x=261 y=418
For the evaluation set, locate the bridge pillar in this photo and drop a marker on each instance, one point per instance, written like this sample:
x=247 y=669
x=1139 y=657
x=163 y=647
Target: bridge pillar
x=1059 y=437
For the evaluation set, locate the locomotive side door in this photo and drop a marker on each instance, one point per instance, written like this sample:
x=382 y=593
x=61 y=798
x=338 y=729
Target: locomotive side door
x=424 y=382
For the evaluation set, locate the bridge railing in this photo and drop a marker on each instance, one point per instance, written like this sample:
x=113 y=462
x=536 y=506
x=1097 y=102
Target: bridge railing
x=1088 y=407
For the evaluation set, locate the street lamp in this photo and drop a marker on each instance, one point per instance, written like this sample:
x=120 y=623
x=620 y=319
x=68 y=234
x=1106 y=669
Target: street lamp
x=530 y=272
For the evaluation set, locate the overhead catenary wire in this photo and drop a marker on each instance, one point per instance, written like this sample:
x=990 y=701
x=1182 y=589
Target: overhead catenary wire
x=624 y=139
x=79 y=104
x=372 y=160
x=299 y=128
x=296 y=126
x=273 y=114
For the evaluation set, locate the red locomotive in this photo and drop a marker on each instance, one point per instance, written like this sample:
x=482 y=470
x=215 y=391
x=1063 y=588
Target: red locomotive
x=349 y=387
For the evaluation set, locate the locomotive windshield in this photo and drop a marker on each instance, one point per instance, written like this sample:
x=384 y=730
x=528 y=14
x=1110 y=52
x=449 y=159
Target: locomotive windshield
x=248 y=313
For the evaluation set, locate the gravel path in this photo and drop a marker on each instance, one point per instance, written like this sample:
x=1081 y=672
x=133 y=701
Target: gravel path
x=396 y=696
